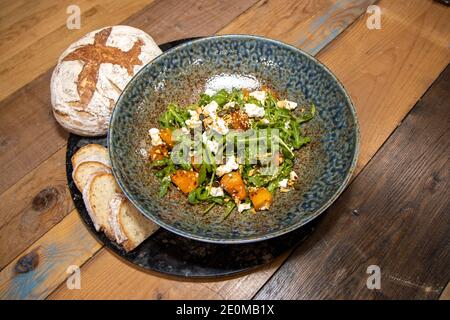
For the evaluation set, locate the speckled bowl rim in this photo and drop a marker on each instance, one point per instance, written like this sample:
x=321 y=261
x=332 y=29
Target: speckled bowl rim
x=294 y=226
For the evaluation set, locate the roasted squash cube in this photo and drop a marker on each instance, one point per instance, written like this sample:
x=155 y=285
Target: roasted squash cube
x=166 y=136
x=185 y=180
x=158 y=152
x=261 y=198
x=234 y=185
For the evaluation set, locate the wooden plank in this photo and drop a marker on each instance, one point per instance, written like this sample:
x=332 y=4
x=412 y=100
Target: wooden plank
x=309 y=25
x=28 y=59
x=22 y=150
x=446 y=293
x=53 y=254
x=403 y=199
x=123 y=285
x=142 y=21
x=386 y=71
x=30 y=22
x=172 y=19
x=32 y=206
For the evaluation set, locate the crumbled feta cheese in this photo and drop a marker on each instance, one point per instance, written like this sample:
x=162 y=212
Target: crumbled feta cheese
x=194 y=121
x=287 y=125
x=285 y=104
x=210 y=109
x=219 y=125
x=216 y=192
x=227 y=167
x=293 y=176
x=210 y=92
x=265 y=121
x=258 y=95
x=252 y=110
x=185 y=130
x=143 y=152
x=283 y=183
x=154 y=135
x=212 y=145
x=243 y=206
x=205 y=137
x=229 y=105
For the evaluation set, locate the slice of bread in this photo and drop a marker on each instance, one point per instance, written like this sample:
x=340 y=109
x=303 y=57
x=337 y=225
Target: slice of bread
x=113 y=218
x=85 y=169
x=97 y=194
x=91 y=152
x=129 y=226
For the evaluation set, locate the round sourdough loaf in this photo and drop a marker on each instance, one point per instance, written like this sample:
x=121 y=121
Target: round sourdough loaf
x=91 y=74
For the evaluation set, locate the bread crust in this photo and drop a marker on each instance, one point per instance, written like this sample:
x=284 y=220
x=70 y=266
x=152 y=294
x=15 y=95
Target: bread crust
x=113 y=218
x=150 y=227
x=91 y=152
x=100 y=168
x=93 y=212
x=87 y=203
x=85 y=85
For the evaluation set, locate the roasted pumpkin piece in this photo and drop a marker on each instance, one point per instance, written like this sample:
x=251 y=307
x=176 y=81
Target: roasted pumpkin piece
x=278 y=159
x=158 y=152
x=234 y=185
x=195 y=163
x=261 y=198
x=185 y=180
x=239 y=120
x=166 y=136
x=268 y=90
x=246 y=94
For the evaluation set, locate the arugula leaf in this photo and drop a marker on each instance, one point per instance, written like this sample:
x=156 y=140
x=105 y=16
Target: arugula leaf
x=165 y=183
x=230 y=207
x=160 y=163
x=259 y=180
x=308 y=115
x=202 y=175
x=221 y=97
x=174 y=117
x=237 y=96
x=201 y=194
x=204 y=100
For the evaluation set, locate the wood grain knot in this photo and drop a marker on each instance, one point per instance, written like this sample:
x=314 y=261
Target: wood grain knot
x=28 y=262
x=45 y=199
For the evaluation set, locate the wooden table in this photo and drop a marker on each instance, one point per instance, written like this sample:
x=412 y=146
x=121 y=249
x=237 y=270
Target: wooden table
x=395 y=213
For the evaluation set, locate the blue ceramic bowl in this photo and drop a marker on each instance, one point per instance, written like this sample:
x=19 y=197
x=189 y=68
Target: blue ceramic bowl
x=179 y=75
